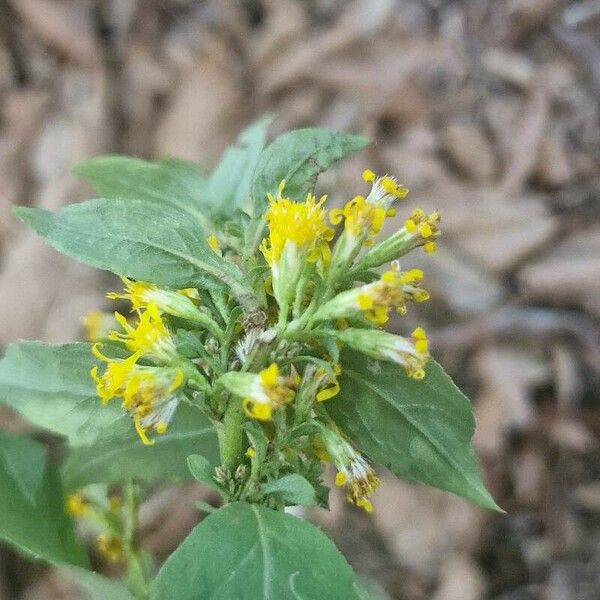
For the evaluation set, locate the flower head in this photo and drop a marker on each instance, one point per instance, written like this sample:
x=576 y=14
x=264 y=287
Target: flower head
x=141 y=295
x=77 y=504
x=149 y=337
x=424 y=229
x=110 y=547
x=262 y=392
x=375 y=300
x=97 y=324
x=268 y=391
x=300 y=224
x=353 y=470
x=364 y=217
x=412 y=353
x=148 y=394
x=298 y=235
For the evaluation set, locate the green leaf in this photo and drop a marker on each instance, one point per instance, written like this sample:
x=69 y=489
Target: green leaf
x=298 y=157
x=202 y=470
x=35 y=524
x=248 y=552
x=229 y=183
x=114 y=458
x=294 y=490
x=51 y=387
x=137 y=239
x=420 y=430
x=24 y=462
x=96 y=586
x=167 y=183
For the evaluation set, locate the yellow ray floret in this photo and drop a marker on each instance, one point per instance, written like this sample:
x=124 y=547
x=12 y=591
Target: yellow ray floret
x=299 y=223
x=148 y=394
x=150 y=335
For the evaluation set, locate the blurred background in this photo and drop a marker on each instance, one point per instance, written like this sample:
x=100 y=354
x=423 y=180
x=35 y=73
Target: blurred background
x=487 y=110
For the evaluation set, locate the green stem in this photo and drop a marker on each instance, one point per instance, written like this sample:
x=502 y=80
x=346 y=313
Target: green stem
x=229 y=434
x=136 y=572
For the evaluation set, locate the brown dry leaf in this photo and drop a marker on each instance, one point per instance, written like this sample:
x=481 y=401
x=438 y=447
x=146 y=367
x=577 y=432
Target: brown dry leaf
x=359 y=21
x=286 y=22
x=528 y=469
x=35 y=280
x=503 y=403
x=469 y=150
x=553 y=167
x=568 y=274
x=493 y=230
x=203 y=114
x=421 y=526
x=526 y=136
x=66 y=26
x=460 y=284
x=460 y=579
x=508 y=66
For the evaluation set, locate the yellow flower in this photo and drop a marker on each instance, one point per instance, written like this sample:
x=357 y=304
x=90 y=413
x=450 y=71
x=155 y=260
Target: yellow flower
x=424 y=228
x=76 y=504
x=298 y=235
x=301 y=224
x=177 y=303
x=329 y=384
x=110 y=547
x=147 y=393
x=375 y=300
x=364 y=217
x=412 y=353
x=353 y=470
x=214 y=244
x=149 y=337
x=268 y=391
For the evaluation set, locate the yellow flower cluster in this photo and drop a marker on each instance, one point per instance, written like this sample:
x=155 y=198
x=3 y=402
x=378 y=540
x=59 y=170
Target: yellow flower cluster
x=148 y=393
x=425 y=226
x=364 y=217
x=268 y=391
x=394 y=288
x=301 y=224
x=353 y=470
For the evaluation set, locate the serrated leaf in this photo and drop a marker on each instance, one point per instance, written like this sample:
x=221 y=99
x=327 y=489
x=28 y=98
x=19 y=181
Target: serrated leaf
x=298 y=157
x=51 y=387
x=248 y=552
x=115 y=458
x=229 y=184
x=95 y=586
x=294 y=490
x=35 y=524
x=420 y=430
x=167 y=183
x=136 y=239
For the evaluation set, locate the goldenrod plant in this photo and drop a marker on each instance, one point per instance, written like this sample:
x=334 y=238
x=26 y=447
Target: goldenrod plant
x=249 y=352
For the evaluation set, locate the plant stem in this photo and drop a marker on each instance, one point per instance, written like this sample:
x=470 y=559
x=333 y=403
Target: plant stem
x=136 y=572
x=230 y=435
